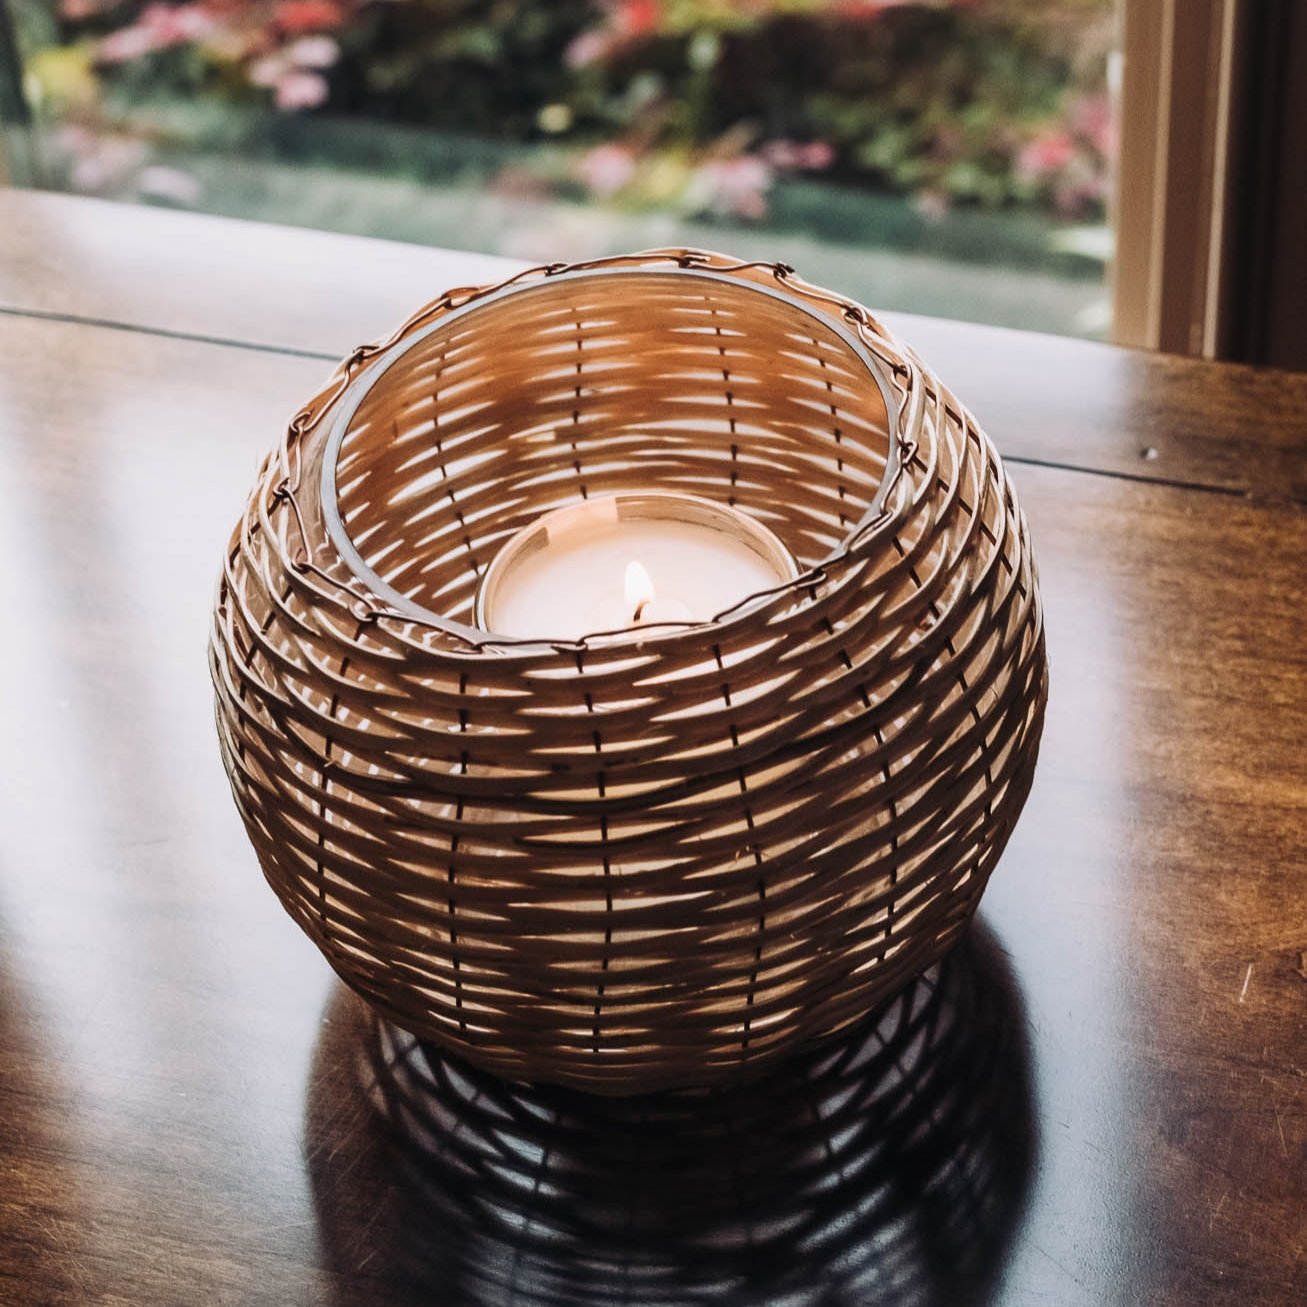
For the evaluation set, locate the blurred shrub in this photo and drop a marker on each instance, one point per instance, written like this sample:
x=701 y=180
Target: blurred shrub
x=703 y=103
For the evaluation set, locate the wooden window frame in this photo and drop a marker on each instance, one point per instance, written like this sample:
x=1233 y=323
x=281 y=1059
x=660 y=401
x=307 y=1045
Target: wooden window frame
x=1178 y=91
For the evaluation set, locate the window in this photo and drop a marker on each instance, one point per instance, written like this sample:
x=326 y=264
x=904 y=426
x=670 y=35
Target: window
x=950 y=158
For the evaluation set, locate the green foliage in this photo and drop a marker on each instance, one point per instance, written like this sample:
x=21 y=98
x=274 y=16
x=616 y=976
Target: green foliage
x=489 y=68
x=935 y=101
x=986 y=103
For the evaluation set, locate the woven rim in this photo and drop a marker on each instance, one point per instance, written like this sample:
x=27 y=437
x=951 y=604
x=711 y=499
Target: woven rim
x=401 y=606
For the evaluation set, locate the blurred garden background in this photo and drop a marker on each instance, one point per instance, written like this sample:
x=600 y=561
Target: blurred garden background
x=952 y=157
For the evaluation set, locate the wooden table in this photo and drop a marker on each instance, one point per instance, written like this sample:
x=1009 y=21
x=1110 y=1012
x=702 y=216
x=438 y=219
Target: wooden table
x=180 y=1116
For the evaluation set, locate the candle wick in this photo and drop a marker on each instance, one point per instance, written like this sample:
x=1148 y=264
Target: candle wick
x=639 y=609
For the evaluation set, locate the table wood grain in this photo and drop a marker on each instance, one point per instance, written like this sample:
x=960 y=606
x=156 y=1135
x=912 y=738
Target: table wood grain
x=181 y=1112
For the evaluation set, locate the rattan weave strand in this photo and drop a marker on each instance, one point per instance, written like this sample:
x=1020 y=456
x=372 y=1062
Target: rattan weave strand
x=665 y=859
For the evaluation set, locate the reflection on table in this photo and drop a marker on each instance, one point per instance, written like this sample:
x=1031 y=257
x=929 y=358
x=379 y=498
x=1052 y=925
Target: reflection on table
x=888 y=1166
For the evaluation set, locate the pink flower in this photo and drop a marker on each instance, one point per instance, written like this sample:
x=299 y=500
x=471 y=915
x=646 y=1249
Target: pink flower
x=931 y=204
x=300 y=90
x=626 y=23
x=313 y=52
x=736 y=186
x=189 y=22
x=796 y=156
x=1048 y=153
x=606 y=169
x=127 y=43
x=637 y=17
x=269 y=70
x=287 y=71
x=158 y=27
x=587 y=48
x=816 y=156
x=75 y=10
x=1091 y=118
x=309 y=15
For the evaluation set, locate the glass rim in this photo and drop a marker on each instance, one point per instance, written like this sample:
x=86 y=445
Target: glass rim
x=399 y=604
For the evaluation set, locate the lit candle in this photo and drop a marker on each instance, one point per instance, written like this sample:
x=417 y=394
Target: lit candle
x=628 y=560
x=643 y=603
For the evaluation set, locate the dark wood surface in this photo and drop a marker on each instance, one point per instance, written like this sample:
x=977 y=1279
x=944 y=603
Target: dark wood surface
x=183 y=1115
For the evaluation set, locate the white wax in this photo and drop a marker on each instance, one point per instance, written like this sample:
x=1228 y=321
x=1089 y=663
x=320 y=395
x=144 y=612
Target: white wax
x=577 y=583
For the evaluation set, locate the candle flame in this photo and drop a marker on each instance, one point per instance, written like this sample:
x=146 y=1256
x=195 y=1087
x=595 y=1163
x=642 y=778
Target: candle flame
x=639 y=588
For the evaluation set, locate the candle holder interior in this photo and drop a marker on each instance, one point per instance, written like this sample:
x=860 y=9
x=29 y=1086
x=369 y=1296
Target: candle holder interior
x=668 y=859
x=601 y=381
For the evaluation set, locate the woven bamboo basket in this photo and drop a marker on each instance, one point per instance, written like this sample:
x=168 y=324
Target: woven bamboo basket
x=663 y=858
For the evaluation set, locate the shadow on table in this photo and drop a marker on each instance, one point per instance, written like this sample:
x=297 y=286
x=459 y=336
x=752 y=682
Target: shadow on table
x=889 y=1166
